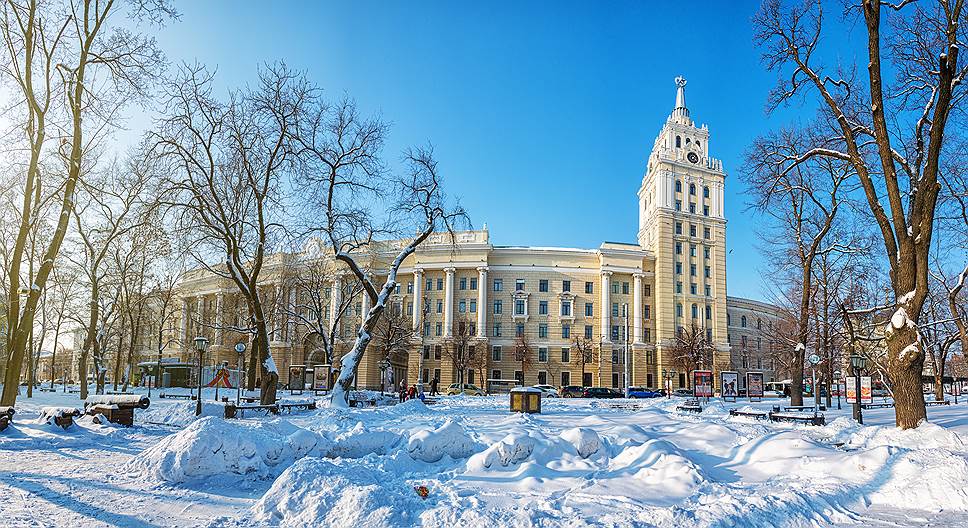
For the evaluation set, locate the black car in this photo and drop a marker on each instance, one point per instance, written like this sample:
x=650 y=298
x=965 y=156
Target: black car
x=600 y=392
x=571 y=391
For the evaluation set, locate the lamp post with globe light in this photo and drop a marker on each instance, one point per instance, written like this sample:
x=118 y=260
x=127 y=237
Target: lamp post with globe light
x=201 y=345
x=857 y=362
x=240 y=350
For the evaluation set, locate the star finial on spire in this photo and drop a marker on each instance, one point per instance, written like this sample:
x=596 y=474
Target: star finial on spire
x=680 y=110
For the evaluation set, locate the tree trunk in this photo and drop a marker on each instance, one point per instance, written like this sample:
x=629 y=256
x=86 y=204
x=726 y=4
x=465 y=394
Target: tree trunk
x=906 y=361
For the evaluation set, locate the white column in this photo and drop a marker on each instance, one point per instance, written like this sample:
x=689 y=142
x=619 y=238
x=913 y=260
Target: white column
x=449 y=301
x=418 y=280
x=637 y=308
x=482 y=301
x=201 y=315
x=334 y=300
x=184 y=321
x=219 y=306
x=606 y=305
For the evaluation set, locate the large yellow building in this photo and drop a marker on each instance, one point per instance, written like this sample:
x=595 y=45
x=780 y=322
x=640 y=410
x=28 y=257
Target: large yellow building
x=563 y=311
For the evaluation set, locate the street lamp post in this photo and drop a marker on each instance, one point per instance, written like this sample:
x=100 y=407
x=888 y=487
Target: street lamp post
x=668 y=376
x=857 y=362
x=240 y=350
x=384 y=365
x=201 y=345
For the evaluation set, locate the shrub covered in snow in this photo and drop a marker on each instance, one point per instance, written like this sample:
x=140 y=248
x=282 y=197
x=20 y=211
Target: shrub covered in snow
x=585 y=440
x=212 y=446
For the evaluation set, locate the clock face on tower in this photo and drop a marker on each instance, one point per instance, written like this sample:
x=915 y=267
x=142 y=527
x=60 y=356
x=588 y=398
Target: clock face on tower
x=693 y=157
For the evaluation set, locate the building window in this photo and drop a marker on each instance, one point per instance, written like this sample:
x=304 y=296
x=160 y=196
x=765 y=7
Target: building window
x=565 y=355
x=678 y=248
x=743 y=341
x=440 y=284
x=759 y=344
x=708 y=291
x=437 y=352
x=566 y=331
x=692 y=250
x=614 y=356
x=565 y=379
x=473 y=306
x=498 y=307
x=679 y=310
x=426 y=331
x=473 y=283
x=678 y=182
x=498 y=285
x=742 y=321
x=462 y=284
x=692 y=189
x=519 y=307
x=695 y=311
x=542 y=331
x=678 y=205
x=692 y=288
x=426 y=352
x=746 y=361
x=566 y=308
x=614 y=332
x=692 y=230
x=707 y=271
x=615 y=288
x=705 y=210
x=648 y=335
x=678 y=228
x=705 y=233
x=589 y=287
x=692 y=270
x=589 y=310
x=543 y=354
x=625 y=288
x=496 y=353
x=679 y=287
x=438 y=330
x=410 y=287
x=709 y=312
x=692 y=208
x=759 y=324
x=678 y=268
x=495 y=374
x=440 y=306
x=542 y=378
x=519 y=330
x=519 y=285
x=473 y=331
x=588 y=331
x=542 y=307
x=430 y=284
x=705 y=192
x=462 y=306
x=497 y=330
x=648 y=290
x=566 y=285
x=705 y=252
x=614 y=309
x=759 y=363
x=648 y=311
x=542 y=285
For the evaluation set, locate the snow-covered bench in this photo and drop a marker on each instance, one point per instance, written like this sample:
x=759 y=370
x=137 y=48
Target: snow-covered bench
x=176 y=396
x=307 y=405
x=938 y=402
x=237 y=411
x=759 y=415
x=690 y=405
x=116 y=408
x=881 y=405
x=59 y=416
x=804 y=418
x=6 y=416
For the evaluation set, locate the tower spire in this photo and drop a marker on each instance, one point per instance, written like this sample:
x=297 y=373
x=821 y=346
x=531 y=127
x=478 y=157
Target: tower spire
x=680 y=110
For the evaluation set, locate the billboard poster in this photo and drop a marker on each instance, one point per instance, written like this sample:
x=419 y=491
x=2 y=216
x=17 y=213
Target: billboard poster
x=729 y=381
x=754 y=385
x=297 y=378
x=319 y=379
x=702 y=383
x=866 y=394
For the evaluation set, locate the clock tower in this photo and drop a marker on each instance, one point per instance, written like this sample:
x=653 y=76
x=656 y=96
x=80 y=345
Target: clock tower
x=681 y=220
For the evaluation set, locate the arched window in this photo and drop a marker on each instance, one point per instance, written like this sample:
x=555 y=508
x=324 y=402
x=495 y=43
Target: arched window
x=687 y=141
x=759 y=324
x=742 y=322
x=678 y=186
x=692 y=189
x=705 y=192
x=678 y=142
x=697 y=143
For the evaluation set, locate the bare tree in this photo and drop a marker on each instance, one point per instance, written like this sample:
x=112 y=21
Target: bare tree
x=227 y=162
x=524 y=353
x=584 y=352
x=477 y=360
x=458 y=346
x=692 y=349
x=891 y=132
x=393 y=333
x=73 y=69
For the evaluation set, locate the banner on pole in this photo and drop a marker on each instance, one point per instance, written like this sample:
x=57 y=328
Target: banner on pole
x=866 y=394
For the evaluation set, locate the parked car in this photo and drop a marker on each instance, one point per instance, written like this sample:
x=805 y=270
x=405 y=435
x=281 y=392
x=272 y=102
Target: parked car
x=683 y=393
x=642 y=392
x=601 y=392
x=547 y=391
x=466 y=388
x=572 y=391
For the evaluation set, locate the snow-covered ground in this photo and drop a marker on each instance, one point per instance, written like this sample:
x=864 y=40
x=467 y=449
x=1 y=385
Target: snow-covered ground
x=579 y=463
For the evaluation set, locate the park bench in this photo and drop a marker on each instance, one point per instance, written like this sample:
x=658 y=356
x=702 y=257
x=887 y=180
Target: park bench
x=6 y=416
x=759 y=415
x=59 y=416
x=289 y=407
x=880 y=405
x=801 y=408
x=238 y=411
x=115 y=408
x=250 y=399
x=363 y=402
x=809 y=419
x=938 y=402
x=690 y=406
x=429 y=401
x=47 y=389
x=115 y=393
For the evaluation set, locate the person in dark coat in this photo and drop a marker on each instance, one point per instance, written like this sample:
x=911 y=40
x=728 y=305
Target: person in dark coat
x=433 y=387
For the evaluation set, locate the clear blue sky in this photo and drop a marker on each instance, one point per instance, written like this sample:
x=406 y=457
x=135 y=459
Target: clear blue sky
x=542 y=114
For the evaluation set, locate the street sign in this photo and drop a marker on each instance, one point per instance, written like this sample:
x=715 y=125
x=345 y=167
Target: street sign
x=814 y=359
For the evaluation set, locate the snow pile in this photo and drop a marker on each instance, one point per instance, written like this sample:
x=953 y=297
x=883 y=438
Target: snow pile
x=48 y=414
x=316 y=492
x=511 y=450
x=179 y=413
x=585 y=441
x=359 y=442
x=449 y=439
x=212 y=446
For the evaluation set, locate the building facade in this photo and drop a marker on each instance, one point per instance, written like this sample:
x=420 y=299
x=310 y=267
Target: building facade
x=541 y=315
